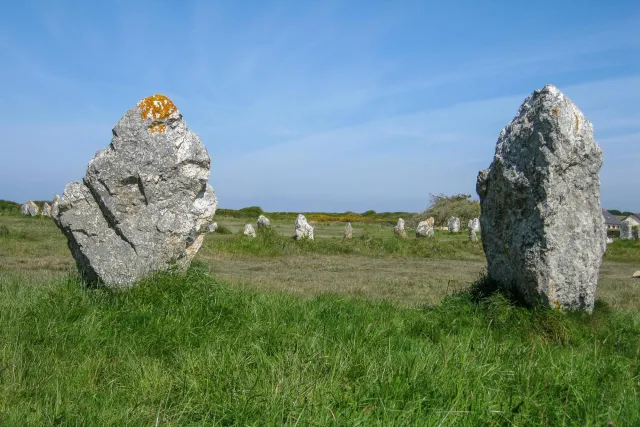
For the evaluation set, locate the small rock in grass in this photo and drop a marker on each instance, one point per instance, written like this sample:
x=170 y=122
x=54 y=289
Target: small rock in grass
x=425 y=229
x=348 y=231
x=29 y=209
x=263 y=221
x=399 y=229
x=303 y=228
x=249 y=230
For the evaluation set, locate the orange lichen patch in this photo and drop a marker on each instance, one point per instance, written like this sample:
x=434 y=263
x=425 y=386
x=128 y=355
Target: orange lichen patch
x=157 y=128
x=156 y=107
x=577 y=123
x=554 y=111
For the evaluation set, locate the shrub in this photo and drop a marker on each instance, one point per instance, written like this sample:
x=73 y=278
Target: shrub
x=443 y=207
x=223 y=229
x=9 y=208
x=614 y=234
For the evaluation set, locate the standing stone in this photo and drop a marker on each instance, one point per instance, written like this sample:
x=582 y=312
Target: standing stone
x=474 y=224
x=399 y=229
x=454 y=224
x=212 y=227
x=55 y=206
x=431 y=221
x=425 y=229
x=626 y=230
x=249 y=231
x=472 y=235
x=348 y=231
x=543 y=230
x=263 y=221
x=46 y=209
x=145 y=200
x=303 y=228
x=29 y=209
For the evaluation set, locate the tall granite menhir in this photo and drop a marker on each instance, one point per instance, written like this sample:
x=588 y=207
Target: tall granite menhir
x=145 y=200
x=542 y=226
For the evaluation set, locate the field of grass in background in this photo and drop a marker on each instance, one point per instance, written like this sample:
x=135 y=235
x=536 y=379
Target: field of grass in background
x=271 y=243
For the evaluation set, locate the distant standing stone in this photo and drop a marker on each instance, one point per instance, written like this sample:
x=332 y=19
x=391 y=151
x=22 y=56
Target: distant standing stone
x=348 y=231
x=542 y=224
x=425 y=229
x=46 y=209
x=626 y=230
x=249 y=231
x=303 y=228
x=636 y=275
x=263 y=221
x=29 y=209
x=212 y=227
x=55 y=206
x=145 y=201
x=609 y=240
x=431 y=221
x=474 y=224
x=472 y=235
x=399 y=229
x=454 y=224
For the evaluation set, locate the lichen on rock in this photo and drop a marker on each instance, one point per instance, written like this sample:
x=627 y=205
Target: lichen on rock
x=158 y=108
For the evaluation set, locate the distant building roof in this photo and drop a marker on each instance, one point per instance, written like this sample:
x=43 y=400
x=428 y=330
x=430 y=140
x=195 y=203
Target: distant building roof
x=610 y=219
x=635 y=216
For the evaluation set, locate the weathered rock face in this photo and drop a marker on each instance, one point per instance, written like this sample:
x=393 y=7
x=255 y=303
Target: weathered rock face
x=303 y=228
x=399 y=229
x=212 y=227
x=425 y=229
x=348 y=231
x=46 y=209
x=454 y=224
x=29 y=209
x=626 y=230
x=145 y=200
x=55 y=206
x=263 y=221
x=249 y=231
x=472 y=235
x=542 y=225
x=474 y=224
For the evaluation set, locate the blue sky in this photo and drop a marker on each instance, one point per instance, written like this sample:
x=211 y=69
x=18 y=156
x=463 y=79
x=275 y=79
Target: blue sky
x=315 y=105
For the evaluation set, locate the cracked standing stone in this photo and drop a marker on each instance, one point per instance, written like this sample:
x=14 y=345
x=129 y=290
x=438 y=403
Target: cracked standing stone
x=145 y=201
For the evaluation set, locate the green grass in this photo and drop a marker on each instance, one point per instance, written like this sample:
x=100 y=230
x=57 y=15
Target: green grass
x=623 y=251
x=270 y=331
x=188 y=350
x=271 y=243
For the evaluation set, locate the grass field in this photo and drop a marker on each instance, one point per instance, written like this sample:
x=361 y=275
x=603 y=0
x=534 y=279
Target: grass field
x=270 y=331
